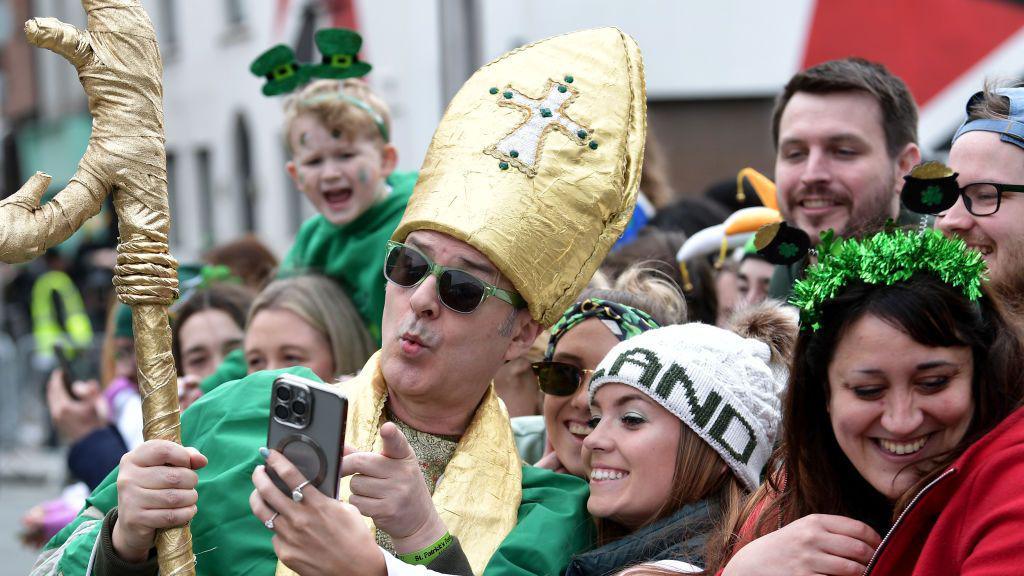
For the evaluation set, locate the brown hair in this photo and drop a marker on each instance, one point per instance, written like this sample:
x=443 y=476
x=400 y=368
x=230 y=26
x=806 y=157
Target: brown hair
x=324 y=306
x=248 y=258
x=700 y=473
x=338 y=113
x=899 y=112
x=656 y=249
x=812 y=474
x=645 y=288
x=989 y=105
x=231 y=299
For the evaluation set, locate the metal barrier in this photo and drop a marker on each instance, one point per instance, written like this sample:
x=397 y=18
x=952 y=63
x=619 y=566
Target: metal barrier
x=10 y=393
x=24 y=416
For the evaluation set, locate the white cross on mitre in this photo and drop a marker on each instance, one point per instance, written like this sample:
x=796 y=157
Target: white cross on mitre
x=522 y=147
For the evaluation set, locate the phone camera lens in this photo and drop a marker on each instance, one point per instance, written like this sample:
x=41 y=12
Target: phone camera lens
x=282 y=412
x=299 y=407
x=284 y=394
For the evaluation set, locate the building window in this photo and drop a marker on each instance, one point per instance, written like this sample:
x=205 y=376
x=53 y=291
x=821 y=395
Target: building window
x=234 y=12
x=205 y=179
x=244 y=174
x=168 y=30
x=172 y=197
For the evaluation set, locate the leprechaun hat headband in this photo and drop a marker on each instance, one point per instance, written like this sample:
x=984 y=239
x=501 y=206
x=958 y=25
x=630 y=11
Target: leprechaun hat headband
x=339 y=48
x=536 y=163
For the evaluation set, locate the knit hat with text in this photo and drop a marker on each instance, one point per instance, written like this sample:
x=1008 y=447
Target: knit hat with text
x=725 y=387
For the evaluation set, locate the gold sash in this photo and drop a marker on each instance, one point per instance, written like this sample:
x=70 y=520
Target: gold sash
x=478 y=495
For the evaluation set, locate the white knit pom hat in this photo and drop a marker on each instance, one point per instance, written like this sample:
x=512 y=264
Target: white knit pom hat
x=718 y=383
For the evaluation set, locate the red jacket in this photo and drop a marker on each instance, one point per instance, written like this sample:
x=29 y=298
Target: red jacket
x=969 y=520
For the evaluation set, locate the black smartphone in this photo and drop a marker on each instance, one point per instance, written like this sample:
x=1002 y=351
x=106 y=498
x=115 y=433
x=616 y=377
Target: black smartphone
x=307 y=426
x=67 y=377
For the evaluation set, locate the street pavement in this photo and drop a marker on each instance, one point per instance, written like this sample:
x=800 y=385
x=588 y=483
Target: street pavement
x=28 y=476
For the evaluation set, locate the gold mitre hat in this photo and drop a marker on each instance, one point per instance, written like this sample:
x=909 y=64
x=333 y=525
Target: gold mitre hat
x=536 y=163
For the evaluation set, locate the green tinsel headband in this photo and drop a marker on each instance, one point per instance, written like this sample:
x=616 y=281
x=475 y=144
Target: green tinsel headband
x=885 y=258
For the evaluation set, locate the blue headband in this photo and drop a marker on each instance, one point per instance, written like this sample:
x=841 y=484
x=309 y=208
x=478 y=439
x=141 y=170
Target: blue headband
x=1011 y=130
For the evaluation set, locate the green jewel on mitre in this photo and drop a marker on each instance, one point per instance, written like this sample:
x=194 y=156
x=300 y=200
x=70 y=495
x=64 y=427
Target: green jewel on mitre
x=340 y=50
x=279 y=66
x=885 y=258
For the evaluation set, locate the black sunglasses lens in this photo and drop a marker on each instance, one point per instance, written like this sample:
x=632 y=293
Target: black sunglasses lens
x=557 y=379
x=405 y=267
x=460 y=291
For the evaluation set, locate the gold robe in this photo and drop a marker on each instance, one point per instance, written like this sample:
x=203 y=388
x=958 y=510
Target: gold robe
x=478 y=496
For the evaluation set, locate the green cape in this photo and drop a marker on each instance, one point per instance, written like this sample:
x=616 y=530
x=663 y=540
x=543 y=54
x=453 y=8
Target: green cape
x=229 y=425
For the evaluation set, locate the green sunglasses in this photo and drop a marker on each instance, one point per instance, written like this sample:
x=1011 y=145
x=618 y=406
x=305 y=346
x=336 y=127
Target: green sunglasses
x=458 y=290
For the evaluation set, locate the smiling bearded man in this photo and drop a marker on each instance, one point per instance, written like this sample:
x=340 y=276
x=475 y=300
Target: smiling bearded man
x=988 y=155
x=845 y=134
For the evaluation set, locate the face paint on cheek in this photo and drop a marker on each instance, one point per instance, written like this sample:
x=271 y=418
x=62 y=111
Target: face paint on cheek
x=363 y=176
x=302 y=139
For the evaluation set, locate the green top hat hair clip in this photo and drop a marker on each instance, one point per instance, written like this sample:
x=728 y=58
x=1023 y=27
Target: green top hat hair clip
x=282 y=71
x=340 y=50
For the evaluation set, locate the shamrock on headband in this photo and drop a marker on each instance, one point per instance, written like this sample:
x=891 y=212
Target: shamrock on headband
x=339 y=47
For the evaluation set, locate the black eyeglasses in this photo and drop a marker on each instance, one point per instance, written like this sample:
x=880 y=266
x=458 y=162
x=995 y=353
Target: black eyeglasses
x=559 y=378
x=980 y=199
x=457 y=290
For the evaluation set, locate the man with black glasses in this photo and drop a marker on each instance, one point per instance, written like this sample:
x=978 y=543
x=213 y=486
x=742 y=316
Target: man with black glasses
x=988 y=155
x=531 y=177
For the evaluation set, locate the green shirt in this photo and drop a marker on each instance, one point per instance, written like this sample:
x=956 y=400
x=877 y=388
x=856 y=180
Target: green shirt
x=353 y=253
x=553 y=526
x=229 y=425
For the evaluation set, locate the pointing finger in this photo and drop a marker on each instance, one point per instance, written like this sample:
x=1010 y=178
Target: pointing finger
x=395 y=446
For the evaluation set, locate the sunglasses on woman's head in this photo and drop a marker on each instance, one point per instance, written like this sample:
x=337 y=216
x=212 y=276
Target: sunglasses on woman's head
x=559 y=378
x=458 y=290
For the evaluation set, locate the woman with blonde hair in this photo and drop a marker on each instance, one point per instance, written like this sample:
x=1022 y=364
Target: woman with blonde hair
x=306 y=320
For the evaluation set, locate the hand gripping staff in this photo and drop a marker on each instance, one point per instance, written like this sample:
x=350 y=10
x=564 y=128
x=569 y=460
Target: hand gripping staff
x=119 y=66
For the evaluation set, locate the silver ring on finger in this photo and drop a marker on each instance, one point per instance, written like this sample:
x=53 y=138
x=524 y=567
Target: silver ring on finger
x=297 y=493
x=270 y=522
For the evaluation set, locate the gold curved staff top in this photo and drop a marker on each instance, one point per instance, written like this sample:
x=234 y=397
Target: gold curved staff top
x=119 y=65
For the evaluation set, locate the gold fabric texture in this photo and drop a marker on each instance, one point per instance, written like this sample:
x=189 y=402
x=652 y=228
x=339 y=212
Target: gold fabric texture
x=478 y=496
x=536 y=163
x=119 y=66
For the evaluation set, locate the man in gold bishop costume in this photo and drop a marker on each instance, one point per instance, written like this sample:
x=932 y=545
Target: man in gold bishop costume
x=529 y=180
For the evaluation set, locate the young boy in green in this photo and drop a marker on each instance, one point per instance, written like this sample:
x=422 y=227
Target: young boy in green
x=343 y=162
x=338 y=135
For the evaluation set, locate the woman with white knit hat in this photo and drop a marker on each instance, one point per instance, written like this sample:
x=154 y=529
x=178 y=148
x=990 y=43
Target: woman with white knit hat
x=684 y=420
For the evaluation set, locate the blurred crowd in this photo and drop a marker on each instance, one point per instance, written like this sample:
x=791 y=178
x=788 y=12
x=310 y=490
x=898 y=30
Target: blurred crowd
x=673 y=415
